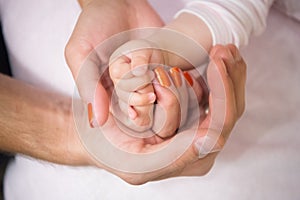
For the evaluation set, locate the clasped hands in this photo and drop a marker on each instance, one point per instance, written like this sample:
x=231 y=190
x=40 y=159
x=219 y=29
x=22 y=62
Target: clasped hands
x=226 y=79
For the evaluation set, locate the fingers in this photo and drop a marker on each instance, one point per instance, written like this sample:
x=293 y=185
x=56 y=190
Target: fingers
x=132 y=78
x=173 y=101
x=139 y=61
x=137 y=92
x=144 y=113
x=138 y=54
x=222 y=107
x=238 y=74
x=136 y=98
x=226 y=79
x=92 y=91
x=120 y=68
x=180 y=81
x=166 y=113
x=236 y=68
x=134 y=83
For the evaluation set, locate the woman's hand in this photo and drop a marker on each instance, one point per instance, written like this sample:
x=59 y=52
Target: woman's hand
x=226 y=79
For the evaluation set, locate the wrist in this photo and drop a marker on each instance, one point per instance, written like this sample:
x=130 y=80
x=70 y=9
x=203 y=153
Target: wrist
x=186 y=38
x=67 y=146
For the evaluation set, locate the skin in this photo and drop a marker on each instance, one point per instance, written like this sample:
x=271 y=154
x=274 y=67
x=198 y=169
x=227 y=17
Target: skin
x=40 y=124
x=125 y=15
x=93 y=27
x=139 y=107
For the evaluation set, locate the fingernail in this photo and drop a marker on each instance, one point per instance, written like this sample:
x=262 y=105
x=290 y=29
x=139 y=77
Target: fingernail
x=175 y=74
x=151 y=97
x=140 y=70
x=162 y=77
x=188 y=78
x=90 y=115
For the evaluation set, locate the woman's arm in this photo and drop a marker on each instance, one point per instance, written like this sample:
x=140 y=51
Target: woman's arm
x=37 y=123
x=209 y=23
x=230 y=21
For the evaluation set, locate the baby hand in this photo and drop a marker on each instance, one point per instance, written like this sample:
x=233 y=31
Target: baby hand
x=130 y=73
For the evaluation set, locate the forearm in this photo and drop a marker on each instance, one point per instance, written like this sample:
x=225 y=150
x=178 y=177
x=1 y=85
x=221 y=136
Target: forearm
x=35 y=122
x=188 y=36
x=214 y=22
x=230 y=21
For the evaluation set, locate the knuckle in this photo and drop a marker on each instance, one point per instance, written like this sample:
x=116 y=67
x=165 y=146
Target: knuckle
x=113 y=72
x=232 y=47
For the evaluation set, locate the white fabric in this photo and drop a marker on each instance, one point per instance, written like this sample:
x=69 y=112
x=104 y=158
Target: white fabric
x=230 y=21
x=259 y=162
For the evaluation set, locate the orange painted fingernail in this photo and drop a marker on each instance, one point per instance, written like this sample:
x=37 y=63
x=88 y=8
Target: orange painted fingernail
x=90 y=114
x=175 y=74
x=162 y=77
x=176 y=69
x=188 y=78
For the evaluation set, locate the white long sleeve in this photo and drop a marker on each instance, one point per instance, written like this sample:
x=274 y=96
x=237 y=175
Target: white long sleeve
x=230 y=21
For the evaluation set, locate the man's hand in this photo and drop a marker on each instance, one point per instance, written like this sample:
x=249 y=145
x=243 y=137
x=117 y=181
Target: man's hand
x=99 y=20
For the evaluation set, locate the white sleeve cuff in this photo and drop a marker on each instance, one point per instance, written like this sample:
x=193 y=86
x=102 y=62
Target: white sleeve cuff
x=230 y=21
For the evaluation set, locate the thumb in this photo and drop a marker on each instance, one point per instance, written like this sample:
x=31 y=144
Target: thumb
x=219 y=120
x=87 y=76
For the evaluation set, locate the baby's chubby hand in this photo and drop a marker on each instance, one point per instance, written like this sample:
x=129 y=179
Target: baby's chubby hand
x=130 y=72
x=141 y=78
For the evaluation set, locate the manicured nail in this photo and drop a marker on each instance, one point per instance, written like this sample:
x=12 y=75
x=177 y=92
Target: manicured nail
x=162 y=77
x=90 y=115
x=188 y=78
x=175 y=74
x=177 y=69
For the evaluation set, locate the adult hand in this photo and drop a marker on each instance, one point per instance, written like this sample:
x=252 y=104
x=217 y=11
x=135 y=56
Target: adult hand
x=99 y=20
x=226 y=79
